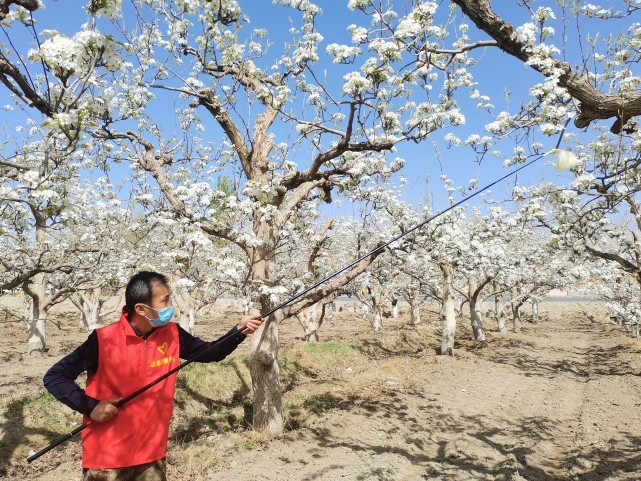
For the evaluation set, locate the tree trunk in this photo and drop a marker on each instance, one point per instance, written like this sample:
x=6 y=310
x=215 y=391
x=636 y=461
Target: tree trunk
x=94 y=315
x=265 y=374
x=371 y=305
x=377 y=313
x=477 y=321
x=188 y=319
x=412 y=298
x=535 y=311
x=27 y=306
x=36 y=323
x=499 y=309
x=263 y=364
x=516 y=310
x=312 y=320
x=415 y=308
x=516 y=318
x=90 y=307
x=308 y=318
x=475 y=315
x=83 y=323
x=448 y=314
x=329 y=309
x=377 y=320
x=246 y=304
x=365 y=310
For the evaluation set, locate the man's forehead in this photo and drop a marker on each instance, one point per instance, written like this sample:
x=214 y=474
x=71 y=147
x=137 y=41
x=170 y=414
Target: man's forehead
x=160 y=290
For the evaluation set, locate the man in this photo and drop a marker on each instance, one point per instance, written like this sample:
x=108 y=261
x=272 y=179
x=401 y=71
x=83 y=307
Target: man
x=130 y=443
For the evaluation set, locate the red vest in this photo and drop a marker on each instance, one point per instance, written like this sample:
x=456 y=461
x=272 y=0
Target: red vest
x=138 y=433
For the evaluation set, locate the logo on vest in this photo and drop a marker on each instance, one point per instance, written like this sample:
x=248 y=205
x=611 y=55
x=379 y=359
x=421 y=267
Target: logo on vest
x=163 y=348
x=163 y=361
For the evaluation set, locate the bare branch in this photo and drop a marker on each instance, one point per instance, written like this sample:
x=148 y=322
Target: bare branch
x=466 y=48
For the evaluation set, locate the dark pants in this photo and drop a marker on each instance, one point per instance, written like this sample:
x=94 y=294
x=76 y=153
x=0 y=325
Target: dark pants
x=155 y=471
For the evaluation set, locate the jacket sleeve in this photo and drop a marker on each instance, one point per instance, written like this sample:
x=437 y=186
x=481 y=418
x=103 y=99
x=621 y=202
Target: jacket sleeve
x=60 y=378
x=191 y=346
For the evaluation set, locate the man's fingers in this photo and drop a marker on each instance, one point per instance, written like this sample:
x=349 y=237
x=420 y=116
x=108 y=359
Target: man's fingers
x=105 y=410
x=253 y=324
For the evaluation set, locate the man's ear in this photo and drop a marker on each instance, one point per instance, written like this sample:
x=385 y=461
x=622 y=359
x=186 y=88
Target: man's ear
x=140 y=310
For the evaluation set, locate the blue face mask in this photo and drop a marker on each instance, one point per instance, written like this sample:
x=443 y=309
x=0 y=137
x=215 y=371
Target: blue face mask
x=164 y=316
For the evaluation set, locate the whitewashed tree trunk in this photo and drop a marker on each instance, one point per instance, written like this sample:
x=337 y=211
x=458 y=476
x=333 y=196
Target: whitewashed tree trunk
x=313 y=317
x=309 y=319
x=330 y=308
x=365 y=310
x=448 y=313
x=535 y=311
x=377 y=320
x=499 y=310
x=36 y=322
x=27 y=306
x=377 y=312
x=415 y=308
x=263 y=365
x=415 y=313
x=188 y=319
x=186 y=311
x=93 y=321
x=246 y=303
x=371 y=307
x=90 y=306
x=265 y=374
x=475 y=314
x=412 y=296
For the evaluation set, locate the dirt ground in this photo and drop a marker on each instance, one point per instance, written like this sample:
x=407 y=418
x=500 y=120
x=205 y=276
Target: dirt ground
x=558 y=401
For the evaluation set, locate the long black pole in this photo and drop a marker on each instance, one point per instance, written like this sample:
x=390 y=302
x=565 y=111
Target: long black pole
x=225 y=338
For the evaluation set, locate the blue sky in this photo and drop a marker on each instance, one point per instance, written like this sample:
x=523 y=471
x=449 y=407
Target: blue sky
x=495 y=73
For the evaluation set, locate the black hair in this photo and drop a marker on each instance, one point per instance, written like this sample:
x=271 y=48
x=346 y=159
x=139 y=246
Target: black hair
x=140 y=288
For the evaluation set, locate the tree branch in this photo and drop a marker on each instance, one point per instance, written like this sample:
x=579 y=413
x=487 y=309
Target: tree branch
x=30 y=5
x=332 y=286
x=5 y=163
x=624 y=263
x=18 y=84
x=208 y=99
x=153 y=163
x=593 y=104
x=472 y=46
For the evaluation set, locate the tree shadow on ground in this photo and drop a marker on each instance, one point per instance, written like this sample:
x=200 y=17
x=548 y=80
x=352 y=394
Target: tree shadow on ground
x=580 y=363
x=445 y=445
x=218 y=416
x=16 y=434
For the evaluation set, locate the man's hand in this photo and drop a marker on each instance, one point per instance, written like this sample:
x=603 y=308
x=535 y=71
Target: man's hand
x=252 y=323
x=105 y=410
